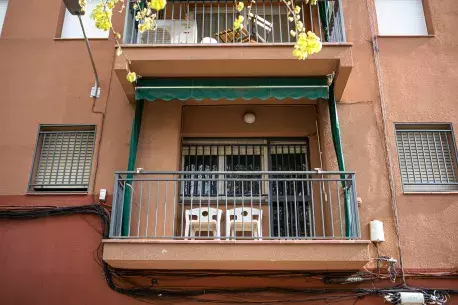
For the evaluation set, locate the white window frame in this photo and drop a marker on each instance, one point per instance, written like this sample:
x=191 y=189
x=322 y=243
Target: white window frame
x=401 y=18
x=3 y=11
x=71 y=28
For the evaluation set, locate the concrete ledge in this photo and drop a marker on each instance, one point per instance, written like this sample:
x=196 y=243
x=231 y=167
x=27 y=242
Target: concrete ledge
x=234 y=60
x=237 y=255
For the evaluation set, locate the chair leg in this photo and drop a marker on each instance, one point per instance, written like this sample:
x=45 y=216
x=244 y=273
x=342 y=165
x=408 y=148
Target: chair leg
x=228 y=229
x=218 y=231
x=186 y=231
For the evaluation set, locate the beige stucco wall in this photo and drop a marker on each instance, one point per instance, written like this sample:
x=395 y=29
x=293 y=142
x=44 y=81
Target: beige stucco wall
x=419 y=85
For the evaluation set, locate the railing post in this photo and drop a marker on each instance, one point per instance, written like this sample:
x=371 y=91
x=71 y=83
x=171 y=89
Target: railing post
x=134 y=137
x=355 y=207
x=114 y=209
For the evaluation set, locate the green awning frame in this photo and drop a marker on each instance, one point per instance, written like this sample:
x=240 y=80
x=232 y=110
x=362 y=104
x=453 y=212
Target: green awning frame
x=167 y=89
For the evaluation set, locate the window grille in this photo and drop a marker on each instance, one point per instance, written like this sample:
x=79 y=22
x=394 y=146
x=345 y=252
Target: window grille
x=63 y=159
x=427 y=157
x=289 y=200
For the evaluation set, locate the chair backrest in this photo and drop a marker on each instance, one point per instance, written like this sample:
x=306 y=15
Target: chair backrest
x=204 y=214
x=244 y=214
x=263 y=23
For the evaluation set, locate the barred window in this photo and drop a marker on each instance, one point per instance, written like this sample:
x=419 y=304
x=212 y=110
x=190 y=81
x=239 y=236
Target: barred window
x=427 y=157
x=63 y=158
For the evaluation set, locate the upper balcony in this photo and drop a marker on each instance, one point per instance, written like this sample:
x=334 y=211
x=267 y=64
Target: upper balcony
x=196 y=39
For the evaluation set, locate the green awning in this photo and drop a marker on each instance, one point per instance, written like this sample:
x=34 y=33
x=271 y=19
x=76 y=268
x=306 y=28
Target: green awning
x=231 y=88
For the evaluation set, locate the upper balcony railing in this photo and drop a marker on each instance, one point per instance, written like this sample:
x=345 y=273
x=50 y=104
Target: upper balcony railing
x=211 y=22
x=235 y=205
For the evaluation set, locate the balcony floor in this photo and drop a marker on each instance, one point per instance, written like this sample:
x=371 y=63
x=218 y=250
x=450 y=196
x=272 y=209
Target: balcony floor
x=236 y=255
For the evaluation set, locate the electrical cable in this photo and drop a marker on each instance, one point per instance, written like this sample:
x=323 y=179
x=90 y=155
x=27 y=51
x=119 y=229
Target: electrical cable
x=152 y=293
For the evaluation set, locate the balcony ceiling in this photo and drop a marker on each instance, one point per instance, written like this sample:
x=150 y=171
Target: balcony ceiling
x=263 y=60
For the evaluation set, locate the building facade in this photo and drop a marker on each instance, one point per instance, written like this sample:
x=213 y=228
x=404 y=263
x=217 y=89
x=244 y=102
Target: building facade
x=230 y=168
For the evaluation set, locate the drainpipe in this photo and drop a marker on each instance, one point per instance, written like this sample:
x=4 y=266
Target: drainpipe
x=134 y=137
x=335 y=129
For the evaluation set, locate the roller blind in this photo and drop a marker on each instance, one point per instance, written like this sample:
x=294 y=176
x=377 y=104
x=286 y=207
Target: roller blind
x=72 y=29
x=64 y=160
x=400 y=17
x=3 y=7
x=427 y=159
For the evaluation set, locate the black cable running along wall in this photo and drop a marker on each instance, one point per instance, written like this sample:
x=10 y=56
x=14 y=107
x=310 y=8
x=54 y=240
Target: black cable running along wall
x=154 y=293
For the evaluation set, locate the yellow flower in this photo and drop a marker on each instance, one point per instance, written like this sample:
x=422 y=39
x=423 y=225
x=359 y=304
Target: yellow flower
x=240 y=6
x=131 y=77
x=314 y=2
x=297 y=9
x=313 y=43
x=146 y=25
x=297 y=53
x=102 y=17
x=307 y=44
x=118 y=51
x=293 y=33
x=238 y=23
x=118 y=35
x=291 y=19
x=157 y=4
x=110 y=4
x=141 y=14
x=83 y=5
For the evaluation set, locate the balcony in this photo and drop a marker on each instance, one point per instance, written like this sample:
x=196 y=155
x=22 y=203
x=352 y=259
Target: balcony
x=211 y=22
x=196 y=39
x=252 y=220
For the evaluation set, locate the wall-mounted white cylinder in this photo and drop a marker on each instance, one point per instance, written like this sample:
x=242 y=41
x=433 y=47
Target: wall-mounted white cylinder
x=377 y=233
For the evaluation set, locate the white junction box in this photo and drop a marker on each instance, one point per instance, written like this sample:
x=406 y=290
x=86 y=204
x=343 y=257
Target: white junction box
x=377 y=233
x=412 y=298
x=103 y=194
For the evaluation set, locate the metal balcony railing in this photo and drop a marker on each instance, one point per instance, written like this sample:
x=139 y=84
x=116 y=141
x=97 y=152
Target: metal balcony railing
x=235 y=205
x=211 y=22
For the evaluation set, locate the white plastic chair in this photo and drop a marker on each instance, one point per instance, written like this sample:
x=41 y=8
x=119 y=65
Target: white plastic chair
x=208 y=40
x=206 y=220
x=243 y=220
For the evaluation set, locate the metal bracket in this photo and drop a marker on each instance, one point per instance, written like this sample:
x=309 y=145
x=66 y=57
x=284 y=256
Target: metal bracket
x=95 y=92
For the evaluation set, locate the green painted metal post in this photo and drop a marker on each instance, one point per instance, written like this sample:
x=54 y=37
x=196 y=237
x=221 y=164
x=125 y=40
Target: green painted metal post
x=134 y=137
x=335 y=129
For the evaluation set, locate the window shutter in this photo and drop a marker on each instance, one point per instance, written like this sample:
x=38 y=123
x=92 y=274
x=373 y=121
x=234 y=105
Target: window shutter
x=72 y=29
x=64 y=160
x=3 y=7
x=426 y=160
x=400 y=17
